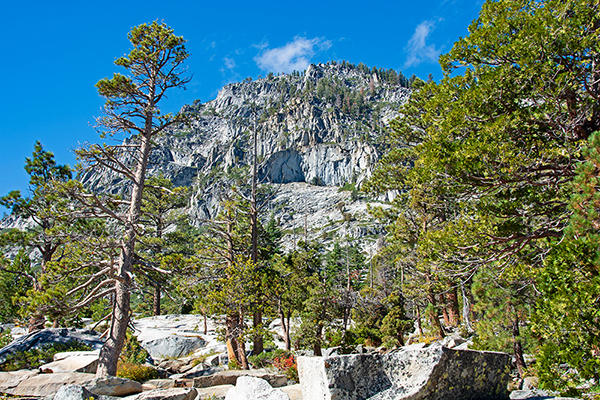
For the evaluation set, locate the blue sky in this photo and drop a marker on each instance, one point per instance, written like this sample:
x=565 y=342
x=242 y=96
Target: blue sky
x=55 y=52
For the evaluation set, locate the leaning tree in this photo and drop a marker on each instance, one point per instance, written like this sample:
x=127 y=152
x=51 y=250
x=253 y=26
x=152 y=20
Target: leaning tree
x=154 y=65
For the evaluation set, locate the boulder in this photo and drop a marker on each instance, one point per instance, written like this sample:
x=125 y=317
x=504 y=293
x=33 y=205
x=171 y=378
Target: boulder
x=173 y=346
x=412 y=372
x=172 y=366
x=531 y=382
x=159 y=384
x=86 y=364
x=166 y=394
x=535 y=395
x=114 y=386
x=294 y=392
x=251 y=388
x=68 y=354
x=231 y=377
x=48 y=336
x=213 y=392
x=43 y=385
x=77 y=392
x=195 y=373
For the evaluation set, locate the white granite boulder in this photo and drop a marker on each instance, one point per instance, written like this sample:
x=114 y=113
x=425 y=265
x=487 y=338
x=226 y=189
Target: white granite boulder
x=77 y=392
x=173 y=346
x=250 y=388
x=432 y=373
x=43 y=385
x=166 y=394
x=83 y=363
x=49 y=336
x=113 y=386
x=231 y=377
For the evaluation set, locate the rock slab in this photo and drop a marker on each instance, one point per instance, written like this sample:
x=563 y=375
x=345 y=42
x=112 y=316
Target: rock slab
x=51 y=335
x=432 y=373
x=173 y=346
x=48 y=384
x=166 y=394
x=77 y=392
x=86 y=364
x=231 y=377
x=251 y=388
x=113 y=386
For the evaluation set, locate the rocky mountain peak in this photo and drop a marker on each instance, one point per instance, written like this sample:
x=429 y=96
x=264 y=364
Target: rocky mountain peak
x=321 y=128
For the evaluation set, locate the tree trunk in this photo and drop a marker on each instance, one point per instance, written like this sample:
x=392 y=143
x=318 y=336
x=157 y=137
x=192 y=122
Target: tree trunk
x=231 y=326
x=285 y=327
x=443 y=305
x=110 y=351
x=317 y=345
x=36 y=322
x=517 y=347
x=419 y=325
x=434 y=319
x=453 y=309
x=466 y=307
x=205 y=324
x=288 y=339
x=156 y=300
x=258 y=344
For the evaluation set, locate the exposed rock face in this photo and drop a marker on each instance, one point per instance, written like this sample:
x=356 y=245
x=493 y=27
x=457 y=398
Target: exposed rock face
x=81 y=363
x=320 y=130
x=173 y=346
x=113 y=386
x=51 y=335
x=77 y=392
x=48 y=384
x=167 y=394
x=411 y=373
x=232 y=376
x=10 y=380
x=250 y=388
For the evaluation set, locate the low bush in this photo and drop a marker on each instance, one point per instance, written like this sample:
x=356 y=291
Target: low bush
x=136 y=372
x=133 y=352
x=33 y=358
x=283 y=360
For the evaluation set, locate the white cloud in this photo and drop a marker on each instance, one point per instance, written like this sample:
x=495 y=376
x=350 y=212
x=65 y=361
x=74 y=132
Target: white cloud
x=229 y=63
x=294 y=55
x=418 y=51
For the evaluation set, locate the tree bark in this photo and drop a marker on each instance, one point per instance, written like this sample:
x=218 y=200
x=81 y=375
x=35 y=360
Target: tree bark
x=231 y=327
x=453 y=309
x=517 y=347
x=286 y=328
x=110 y=351
x=434 y=319
x=443 y=305
x=156 y=300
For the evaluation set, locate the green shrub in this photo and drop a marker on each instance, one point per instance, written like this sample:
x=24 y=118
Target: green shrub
x=136 y=372
x=133 y=352
x=283 y=360
x=5 y=339
x=33 y=358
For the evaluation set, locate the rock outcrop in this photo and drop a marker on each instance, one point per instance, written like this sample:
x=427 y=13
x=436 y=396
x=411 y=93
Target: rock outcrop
x=250 y=388
x=232 y=376
x=49 y=336
x=413 y=372
x=322 y=129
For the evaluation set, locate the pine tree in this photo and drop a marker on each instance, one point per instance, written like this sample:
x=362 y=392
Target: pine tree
x=47 y=229
x=154 y=65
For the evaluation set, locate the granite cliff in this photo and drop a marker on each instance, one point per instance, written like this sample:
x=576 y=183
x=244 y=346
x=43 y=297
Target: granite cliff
x=319 y=138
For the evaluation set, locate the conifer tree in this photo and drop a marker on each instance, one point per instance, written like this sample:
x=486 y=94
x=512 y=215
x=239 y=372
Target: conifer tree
x=46 y=229
x=154 y=66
